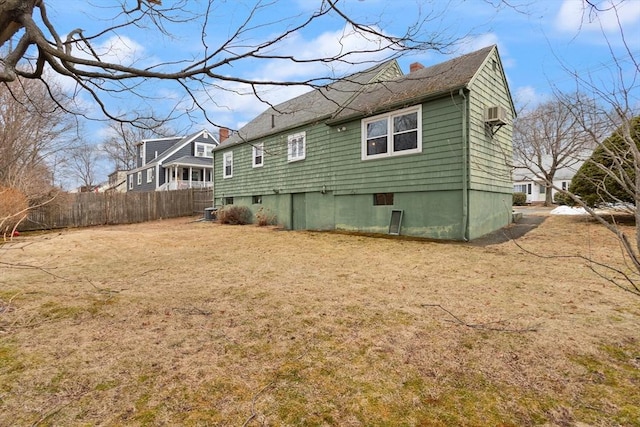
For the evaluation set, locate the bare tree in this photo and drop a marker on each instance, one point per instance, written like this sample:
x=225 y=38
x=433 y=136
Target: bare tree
x=33 y=130
x=551 y=137
x=35 y=43
x=615 y=100
x=83 y=165
x=120 y=146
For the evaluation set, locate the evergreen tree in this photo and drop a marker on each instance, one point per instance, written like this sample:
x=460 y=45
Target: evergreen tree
x=609 y=174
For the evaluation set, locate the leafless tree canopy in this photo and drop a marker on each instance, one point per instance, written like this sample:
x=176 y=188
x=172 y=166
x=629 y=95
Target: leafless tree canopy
x=552 y=136
x=120 y=146
x=606 y=104
x=34 y=43
x=34 y=132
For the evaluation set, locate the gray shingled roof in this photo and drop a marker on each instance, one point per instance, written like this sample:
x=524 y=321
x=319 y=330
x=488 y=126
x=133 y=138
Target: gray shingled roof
x=312 y=106
x=191 y=160
x=362 y=94
x=414 y=87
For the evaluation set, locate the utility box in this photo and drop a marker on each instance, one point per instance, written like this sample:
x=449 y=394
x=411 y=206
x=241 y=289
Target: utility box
x=209 y=214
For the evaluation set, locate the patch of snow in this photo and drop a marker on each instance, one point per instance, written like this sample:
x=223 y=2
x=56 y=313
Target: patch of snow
x=566 y=210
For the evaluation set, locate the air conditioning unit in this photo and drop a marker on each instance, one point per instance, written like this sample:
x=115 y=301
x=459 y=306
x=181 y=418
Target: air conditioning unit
x=496 y=115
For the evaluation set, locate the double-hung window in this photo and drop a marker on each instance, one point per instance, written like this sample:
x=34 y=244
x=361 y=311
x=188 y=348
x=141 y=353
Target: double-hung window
x=150 y=175
x=139 y=178
x=296 y=147
x=393 y=134
x=520 y=188
x=258 y=155
x=227 y=163
x=204 y=150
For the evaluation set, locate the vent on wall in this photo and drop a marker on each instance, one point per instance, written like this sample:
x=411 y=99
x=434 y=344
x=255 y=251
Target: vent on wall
x=495 y=116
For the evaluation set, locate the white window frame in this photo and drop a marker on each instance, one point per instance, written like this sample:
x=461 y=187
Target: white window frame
x=149 y=175
x=389 y=135
x=207 y=150
x=257 y=152
x=139 y=177
x=131 y=182
x=297 y=147
x=227 y=158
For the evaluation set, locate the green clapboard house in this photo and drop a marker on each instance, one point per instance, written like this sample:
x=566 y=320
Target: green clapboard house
x=424 y=154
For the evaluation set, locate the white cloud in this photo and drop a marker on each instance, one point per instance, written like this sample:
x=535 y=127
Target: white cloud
x=360 y=51
x=471 y=44
x=527 y=98
x=574 y=16
x=354 y=48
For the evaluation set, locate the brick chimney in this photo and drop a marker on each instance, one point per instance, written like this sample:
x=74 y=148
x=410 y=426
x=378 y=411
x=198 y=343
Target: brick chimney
x=415 y=67
x=224 y=134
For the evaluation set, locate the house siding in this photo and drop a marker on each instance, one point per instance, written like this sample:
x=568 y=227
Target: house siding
x=455 y=188
x=490 y=156
x=339 y=185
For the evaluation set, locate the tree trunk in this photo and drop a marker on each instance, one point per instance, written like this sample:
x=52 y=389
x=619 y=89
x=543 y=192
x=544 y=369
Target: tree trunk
x=10 y=10
x=548 y=196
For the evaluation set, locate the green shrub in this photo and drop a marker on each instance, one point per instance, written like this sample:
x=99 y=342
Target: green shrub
x=234 y=215
x=519 y=199
x=563 y=199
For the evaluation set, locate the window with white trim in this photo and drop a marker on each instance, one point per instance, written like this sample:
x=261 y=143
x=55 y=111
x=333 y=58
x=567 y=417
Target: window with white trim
x=204 y=150
x=130 y=182
x=258 y=155
x=522 y=188
x=393 y=134
x=227 y=164
x=139 y=176
x=150 y=175
x=296 y=146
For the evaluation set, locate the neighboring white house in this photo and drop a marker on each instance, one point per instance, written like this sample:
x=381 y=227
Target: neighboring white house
x=525 y=181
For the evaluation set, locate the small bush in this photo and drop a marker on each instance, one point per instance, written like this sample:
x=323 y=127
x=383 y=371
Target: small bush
x=519 y=199
x=563 y=199
x=13 y=207
x=264 y=217
x=234 y=215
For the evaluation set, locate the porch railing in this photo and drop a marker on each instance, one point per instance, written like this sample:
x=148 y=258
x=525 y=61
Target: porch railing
x=184 y=184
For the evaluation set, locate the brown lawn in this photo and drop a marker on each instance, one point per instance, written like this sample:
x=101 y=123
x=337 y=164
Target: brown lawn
x=179 y=322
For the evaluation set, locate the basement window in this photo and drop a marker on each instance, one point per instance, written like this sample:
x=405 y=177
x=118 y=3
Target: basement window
x=256 y=200
x=383 y=199
x=228 y=200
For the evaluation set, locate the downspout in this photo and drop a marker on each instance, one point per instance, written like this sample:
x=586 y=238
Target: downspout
x=465 y=169
x=213 y=180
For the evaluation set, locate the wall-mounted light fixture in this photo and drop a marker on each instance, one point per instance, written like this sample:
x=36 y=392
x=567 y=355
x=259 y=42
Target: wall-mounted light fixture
x=342 y=129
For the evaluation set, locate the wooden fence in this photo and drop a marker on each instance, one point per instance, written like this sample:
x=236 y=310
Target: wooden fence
x=87 y=209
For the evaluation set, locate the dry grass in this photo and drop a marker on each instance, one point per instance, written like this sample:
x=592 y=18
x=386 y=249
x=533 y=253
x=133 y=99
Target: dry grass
x=190 y=323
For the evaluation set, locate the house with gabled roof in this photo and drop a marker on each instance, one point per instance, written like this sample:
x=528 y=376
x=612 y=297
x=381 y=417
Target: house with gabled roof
x=174 y=163
x=425 y=154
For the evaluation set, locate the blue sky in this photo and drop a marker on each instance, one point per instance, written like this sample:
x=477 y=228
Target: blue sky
x=538 y=41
